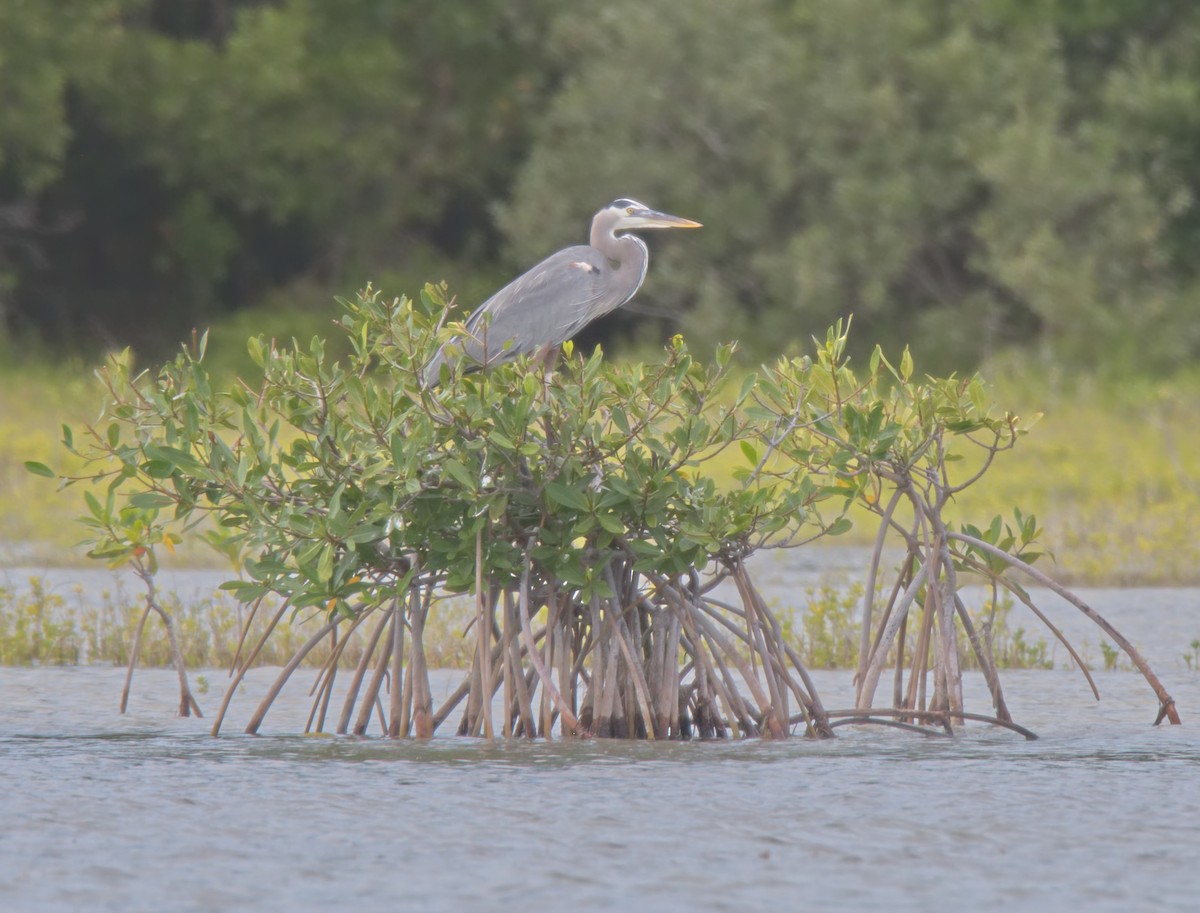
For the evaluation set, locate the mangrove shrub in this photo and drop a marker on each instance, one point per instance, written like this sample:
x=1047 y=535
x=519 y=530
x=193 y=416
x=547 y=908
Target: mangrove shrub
x=602 y=516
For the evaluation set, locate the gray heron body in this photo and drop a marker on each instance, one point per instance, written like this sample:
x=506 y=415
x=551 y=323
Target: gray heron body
x=553 y=301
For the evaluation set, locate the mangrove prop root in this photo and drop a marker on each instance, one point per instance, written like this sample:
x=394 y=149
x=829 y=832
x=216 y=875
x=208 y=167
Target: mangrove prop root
x=187 y=702
x=286 y=673
x=895 y=724
x=245 y=666
x=1167 y=708
x=653 y=658
x=372 y=693
x=133 y=656
x=844 y=717
x=359 y=672
x=986 y=663
x=396 y=697
x=323 y=685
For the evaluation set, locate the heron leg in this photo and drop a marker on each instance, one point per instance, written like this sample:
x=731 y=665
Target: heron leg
x=547 y=358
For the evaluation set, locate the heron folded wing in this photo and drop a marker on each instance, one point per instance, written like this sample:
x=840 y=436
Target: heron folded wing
x=545 y=306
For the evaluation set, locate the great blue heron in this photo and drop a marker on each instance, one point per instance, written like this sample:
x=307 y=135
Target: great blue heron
x=552 y=302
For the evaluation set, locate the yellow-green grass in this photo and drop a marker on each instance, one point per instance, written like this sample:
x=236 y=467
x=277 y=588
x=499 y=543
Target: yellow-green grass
x=41 y=625
x=1112 y=471
x=36 y=520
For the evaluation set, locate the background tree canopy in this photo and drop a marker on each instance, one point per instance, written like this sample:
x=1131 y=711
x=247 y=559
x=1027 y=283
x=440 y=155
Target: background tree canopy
x=964 y=176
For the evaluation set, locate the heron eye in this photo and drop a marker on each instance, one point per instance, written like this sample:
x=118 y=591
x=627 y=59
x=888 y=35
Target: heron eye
x=629 y=210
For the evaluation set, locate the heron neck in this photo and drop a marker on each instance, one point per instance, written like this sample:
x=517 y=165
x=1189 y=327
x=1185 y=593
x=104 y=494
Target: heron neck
x=627 y=255
x=620 y=249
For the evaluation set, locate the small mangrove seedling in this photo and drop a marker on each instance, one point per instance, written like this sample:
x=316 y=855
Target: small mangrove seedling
x=1192 y=658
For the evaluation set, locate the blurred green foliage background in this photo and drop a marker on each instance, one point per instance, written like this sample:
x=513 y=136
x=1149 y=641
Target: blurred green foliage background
x=966 y=176
x=1011 y=184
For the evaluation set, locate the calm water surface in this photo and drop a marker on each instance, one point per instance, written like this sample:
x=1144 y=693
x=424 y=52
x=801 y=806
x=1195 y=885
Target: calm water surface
x=147 y=812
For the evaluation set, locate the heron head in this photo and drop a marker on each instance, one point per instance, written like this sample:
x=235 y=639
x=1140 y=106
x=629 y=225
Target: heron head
x=625 y=215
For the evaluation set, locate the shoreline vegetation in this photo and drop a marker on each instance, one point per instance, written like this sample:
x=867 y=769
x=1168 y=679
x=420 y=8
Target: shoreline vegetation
x=42 y=624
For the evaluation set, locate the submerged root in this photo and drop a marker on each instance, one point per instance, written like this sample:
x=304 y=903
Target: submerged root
x=900 y=717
